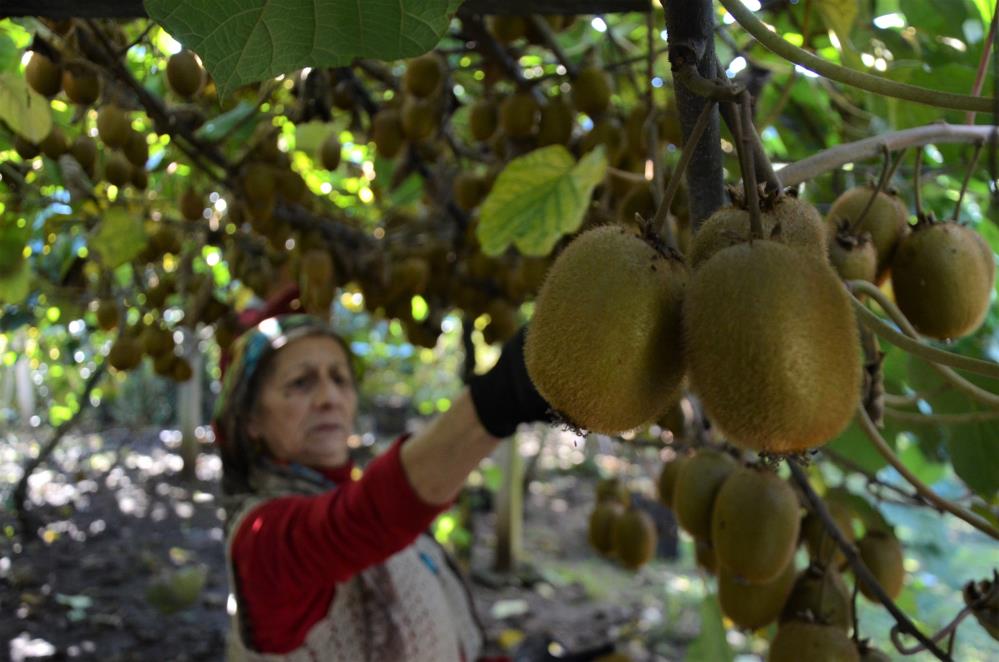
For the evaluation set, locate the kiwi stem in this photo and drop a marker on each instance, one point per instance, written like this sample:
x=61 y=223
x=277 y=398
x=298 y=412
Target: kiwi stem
x=888 y=168
x=909 y=341
x=834 y=157
x=661 y=219
x=911 y=498
x=941 y=419
x=882 y=86
x=744 y=143
x=948 y=629
x=967 y=178
x=541 y=26
x=860 y=570
x=983 y=63
x=917 y=183
x=924 y=490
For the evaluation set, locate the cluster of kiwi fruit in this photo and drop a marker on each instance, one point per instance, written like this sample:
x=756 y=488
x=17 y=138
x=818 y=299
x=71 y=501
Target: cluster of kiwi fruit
x=619 y=530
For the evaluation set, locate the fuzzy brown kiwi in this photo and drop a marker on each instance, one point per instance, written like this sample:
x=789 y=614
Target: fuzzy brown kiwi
x=483 y=118
x=820 y=595
x=882 y=553
x=84 y=150
x=795 y=222
x=853 y=257
x=317 y=281
x=125 y=353
x=668 y=475
x=424 y=74
x=191 y=204
x=137 y=149
x=796 y=642
x=419 y=118
x=791 y=378
x=290 y=185
x=329 y=152
x=753 y=606
x=387 y=132
x=591 y=91
x=43 y=75
x=180 y=369
x=886 y=221
x=601 y=526
x=55 y=144
x=468 y=190
x=113 y=125
x=697 y=485
x=754 y=524
x=518 y=115
x=583 y=318
x=821 y=546
x=507 y=29
x=259 y=183
x=185 y=74
x=639 y=201
x=503 y=321
x=343 y=95
x=634 y=538
x=557 y=120
x=612 y=489
x=117 y=169
x=26 y=149
x=943 y=275
x=107 y=314
x=704 y=555
x=81 y=85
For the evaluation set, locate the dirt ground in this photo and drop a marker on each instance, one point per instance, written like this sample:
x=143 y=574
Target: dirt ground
x=117 y=518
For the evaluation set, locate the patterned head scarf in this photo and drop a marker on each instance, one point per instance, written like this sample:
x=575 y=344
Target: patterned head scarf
x=251 y=353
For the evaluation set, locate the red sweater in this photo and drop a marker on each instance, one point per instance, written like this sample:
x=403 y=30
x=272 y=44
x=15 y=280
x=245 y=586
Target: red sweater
x=289 y=553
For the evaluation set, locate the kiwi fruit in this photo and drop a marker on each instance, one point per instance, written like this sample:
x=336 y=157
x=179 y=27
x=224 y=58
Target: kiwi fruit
x=519 y=114
x=317 y=281
x=343 y=95
x=137 y=149
x=55 y=144
x=583 y=318
x=606 y=131
x=555 y=126
x=84 y=150
x=507 y=29
x=754 y=524
x=81 y=85
x=591 y=91
x=290 y=185
x=821 y=546
x=43 y=75
x=503 y=321
x=163 y=364
x=26 y=149
x=117 y=169
x=387 y=132
x=468 y=190
x=259 y=184
x=819 y=595
x=886 y=221
x=185 y=74
x=881 y=552
x=125 y=353
x=157 y=295
x=483 y=118
x=853 y=257
x=180 y=370
x=107 y=314
x=329 y=152
x=639 y=201
x=870 y=654
x=419 y=118
x=634 y=538
x=754 y=605
x=704 y=555
x=668 y=476
x=795 y=642
x=424 y=75
x=791 y=380
x=113 y=125
x=601 y=526
x=191 y=204
x=795 y=222
x=943 y=275
x=697 y=485
x=612 y=489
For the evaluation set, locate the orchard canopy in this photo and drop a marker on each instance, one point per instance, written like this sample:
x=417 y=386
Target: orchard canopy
x=166 y=165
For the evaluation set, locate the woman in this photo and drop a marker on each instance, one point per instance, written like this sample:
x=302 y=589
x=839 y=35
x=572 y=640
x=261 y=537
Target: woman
x=324 y=566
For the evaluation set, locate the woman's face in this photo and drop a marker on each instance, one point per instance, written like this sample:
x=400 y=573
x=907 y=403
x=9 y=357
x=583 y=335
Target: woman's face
x=306 y=404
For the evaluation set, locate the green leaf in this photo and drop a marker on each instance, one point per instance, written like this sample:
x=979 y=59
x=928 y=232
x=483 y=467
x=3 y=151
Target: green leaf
x=711 y=644
x=217 y=127
x=309 y=136
x=24 y=110
x=538 y=198
x=15 y=287
x=119 y=237
x=10 y=54
x=853 y=444
x=243 y=41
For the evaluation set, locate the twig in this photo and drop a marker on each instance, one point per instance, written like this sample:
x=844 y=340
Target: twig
x=983 y=63
x=744 y=143
x=922 y=350
x=941 y=419
x=946 y=630
x=134 y=42
x=265 y=94
x=872 y=479
x=910 y=342
x=967 y=177
x=834 y=157
x=860 y=570
x=616 y=45
x=924 y=490
x=917 y=182
x=541 y=26
x=688 y=76
x=662 y=213
x=857 y=79
x=782 y=99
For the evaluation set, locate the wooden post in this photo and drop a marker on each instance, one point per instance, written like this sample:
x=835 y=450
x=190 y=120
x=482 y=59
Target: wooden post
x=510 y=507
x=189 y=406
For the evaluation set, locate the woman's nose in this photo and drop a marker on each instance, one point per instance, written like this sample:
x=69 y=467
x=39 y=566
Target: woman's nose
x=329 y=393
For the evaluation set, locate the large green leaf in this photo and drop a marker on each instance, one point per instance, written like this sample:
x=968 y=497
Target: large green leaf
x=24 y=110
x=119 y=237
x=854 y=445
x=243 y=41
x=538 y=198
x=217 y=127
x=15 y=286
x=711 y=644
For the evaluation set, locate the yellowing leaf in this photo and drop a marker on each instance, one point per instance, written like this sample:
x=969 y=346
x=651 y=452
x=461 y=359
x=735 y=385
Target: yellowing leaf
x=538 y=198
x=119 y=237
x=24 y=110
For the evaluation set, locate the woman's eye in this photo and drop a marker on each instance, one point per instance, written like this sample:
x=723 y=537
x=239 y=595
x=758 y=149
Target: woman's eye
x=301 y=382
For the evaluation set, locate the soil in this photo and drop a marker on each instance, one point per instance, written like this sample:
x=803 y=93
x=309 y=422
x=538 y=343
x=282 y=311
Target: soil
x=114 y=515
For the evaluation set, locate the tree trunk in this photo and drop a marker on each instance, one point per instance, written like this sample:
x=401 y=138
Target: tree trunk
x=22 y=380
x=510 y=507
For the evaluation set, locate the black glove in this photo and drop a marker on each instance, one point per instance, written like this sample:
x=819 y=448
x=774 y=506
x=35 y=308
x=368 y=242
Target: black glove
x=505 y=397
